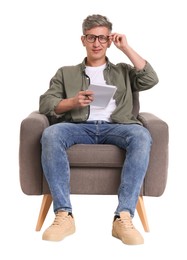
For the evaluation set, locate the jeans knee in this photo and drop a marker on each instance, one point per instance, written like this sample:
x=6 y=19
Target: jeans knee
x=145 y=138
x=146 y=135
x=49 y=134
x=140 y=138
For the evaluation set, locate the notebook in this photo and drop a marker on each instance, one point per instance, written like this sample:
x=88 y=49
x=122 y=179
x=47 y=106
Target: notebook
x=102 y=94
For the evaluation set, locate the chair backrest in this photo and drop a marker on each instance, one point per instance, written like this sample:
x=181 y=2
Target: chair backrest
x=136 y=103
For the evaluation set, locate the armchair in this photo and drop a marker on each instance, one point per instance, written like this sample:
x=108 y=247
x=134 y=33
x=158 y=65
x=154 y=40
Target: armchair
x=95 y=169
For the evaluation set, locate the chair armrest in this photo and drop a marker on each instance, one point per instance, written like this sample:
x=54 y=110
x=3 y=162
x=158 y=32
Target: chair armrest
x=30 y=169
x=153 y=123
x=156 y=177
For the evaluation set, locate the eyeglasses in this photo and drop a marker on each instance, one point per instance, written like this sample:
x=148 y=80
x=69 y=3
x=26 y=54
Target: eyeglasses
x=92 y=38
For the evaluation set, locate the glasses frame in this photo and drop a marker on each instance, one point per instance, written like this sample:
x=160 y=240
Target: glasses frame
x=97 y=37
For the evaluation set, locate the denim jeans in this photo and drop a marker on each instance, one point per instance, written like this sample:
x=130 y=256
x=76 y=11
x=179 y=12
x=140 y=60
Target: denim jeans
x=133 y=138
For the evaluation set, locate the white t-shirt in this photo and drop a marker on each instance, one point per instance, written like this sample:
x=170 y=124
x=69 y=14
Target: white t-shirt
x=96 y=77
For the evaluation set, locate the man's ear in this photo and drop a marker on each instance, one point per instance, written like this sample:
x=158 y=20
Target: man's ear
x=83 y=40
x=109 y=43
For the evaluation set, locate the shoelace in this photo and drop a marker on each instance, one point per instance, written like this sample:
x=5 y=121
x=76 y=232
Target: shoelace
x=126 y=223
x=59 y=219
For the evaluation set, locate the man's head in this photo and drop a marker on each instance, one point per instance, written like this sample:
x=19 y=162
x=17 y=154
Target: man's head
x=96 y=38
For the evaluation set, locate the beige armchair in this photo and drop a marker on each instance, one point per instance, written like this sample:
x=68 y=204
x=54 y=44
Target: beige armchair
x=95 y=169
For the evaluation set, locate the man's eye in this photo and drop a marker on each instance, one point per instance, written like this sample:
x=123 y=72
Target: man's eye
x=91 y=37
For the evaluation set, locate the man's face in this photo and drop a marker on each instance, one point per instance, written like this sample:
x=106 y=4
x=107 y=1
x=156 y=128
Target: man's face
x=96 y=46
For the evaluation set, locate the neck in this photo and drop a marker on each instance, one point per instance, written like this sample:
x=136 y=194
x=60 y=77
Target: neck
x=95 y=63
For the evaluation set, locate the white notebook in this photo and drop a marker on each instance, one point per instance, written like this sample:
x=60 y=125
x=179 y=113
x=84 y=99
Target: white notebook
x=102 y=94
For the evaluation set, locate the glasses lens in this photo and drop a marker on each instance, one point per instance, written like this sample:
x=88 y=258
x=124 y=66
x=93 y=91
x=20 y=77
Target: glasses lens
x=103 y=38
x=90 y=38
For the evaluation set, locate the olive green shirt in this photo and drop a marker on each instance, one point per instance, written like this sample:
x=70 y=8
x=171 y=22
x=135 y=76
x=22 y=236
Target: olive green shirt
x=69 y=80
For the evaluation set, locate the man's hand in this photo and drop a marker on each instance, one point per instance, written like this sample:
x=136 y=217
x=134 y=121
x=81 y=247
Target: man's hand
x=119 y=40
x=83 y=98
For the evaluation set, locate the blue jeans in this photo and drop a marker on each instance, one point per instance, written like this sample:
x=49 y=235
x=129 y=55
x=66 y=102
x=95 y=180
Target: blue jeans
x=133 y=138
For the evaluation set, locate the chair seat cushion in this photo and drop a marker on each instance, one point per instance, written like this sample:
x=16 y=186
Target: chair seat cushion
x=95 y=155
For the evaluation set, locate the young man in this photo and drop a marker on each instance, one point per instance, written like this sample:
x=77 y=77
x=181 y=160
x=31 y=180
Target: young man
x=74 y=120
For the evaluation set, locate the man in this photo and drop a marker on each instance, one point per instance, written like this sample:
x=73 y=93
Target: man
x=74 y=120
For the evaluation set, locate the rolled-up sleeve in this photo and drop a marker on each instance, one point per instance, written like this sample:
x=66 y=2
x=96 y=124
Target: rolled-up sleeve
x=143 y=79
x=50 y=99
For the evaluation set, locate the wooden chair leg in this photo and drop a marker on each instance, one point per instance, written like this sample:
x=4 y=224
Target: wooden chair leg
x=46 y=203
x=142 y=213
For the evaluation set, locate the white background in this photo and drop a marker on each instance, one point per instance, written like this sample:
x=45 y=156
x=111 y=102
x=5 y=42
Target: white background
x=38 y=37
